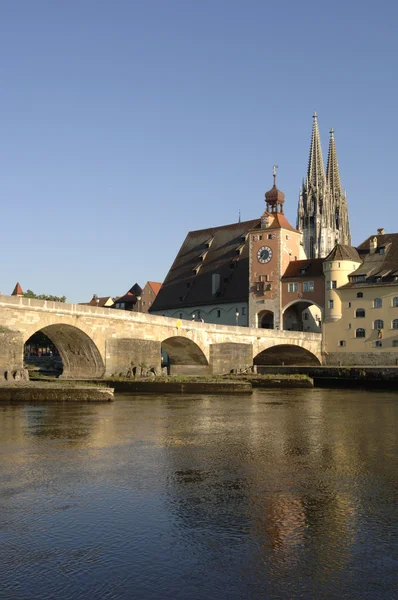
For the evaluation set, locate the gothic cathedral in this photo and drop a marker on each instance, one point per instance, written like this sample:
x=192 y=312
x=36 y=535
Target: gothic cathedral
x=322 y=214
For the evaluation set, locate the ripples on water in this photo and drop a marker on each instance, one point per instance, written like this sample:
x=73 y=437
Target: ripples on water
x=279 y=495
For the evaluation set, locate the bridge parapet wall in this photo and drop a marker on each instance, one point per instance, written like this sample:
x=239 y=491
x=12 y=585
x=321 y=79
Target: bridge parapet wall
x=104 y=326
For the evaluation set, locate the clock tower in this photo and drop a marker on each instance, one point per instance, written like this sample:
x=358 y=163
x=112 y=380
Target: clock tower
x=272 y=247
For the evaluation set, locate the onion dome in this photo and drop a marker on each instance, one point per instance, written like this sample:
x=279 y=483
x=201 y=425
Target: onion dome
x=274 y=197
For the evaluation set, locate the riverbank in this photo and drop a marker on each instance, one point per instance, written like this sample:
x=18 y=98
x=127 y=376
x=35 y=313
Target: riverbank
x=180 y=385
x=340 y=377
x=45 y=391
x=227 y=384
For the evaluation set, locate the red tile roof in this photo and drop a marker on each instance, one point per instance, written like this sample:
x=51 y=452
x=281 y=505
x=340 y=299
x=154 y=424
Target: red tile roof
x=17 y=290
x=304 y=268
x=155 y=285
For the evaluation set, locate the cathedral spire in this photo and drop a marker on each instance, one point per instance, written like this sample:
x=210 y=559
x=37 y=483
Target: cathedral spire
x=322 y=213
x=332 y=169
x=316 y=170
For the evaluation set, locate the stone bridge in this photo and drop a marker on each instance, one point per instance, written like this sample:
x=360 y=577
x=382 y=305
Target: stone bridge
x=100 y=342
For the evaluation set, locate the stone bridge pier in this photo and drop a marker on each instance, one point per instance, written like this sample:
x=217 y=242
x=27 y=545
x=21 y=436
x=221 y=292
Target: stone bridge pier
x=100 y=342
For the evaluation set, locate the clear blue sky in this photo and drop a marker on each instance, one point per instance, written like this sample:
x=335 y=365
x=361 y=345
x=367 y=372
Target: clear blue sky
x=126 y=124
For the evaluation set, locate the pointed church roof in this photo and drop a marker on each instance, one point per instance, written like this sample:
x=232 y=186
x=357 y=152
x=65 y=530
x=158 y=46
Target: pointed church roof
x=17 y=290
x=332 y=169
x=316 y=170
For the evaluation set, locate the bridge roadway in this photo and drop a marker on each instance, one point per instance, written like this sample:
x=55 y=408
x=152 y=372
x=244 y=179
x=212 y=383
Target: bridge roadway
x=100 y=342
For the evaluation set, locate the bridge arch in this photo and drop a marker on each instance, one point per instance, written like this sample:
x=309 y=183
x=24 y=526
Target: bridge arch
x=286 y=354
x=80 y=356
x=182 y=355
x=302 y=315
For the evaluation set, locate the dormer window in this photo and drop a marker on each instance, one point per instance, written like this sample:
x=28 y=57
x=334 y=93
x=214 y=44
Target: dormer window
x=209 y=242
x=381 y=250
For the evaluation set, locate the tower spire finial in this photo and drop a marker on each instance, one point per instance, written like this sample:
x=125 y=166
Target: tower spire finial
x=274 y=168
x=332 y=168
x=316 y=170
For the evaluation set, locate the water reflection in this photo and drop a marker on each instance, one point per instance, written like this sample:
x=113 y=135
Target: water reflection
x=278 y=495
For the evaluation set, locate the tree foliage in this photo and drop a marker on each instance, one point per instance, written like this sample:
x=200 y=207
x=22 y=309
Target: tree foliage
x=30 y=294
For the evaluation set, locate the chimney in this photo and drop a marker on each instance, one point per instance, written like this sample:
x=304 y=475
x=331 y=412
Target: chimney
x=380 y=231
x=373 y=244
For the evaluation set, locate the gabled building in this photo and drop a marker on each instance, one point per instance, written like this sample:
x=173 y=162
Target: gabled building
x=100 y=301
x=209 y=278
x=129 y=300
x=147 y=297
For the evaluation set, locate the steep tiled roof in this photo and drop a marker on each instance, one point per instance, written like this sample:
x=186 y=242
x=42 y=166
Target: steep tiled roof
x=344 y=252
x=136 y=290
x=155 y=285
x=128 y=298
x=280 y=221
x=221 y=250
x=304 y=268
x=17 y=290
x=380 y=266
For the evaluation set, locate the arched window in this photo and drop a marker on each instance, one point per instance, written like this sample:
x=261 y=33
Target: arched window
x=359 y=294
x=377 y=303
x=378 y=324
x=395 y=301
x=360 y=333
x=395 y=324
x=360 y=313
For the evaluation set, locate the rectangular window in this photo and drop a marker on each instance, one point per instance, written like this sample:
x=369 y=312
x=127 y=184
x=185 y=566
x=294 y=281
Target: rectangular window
x=270 y=236
x=395 y=343
x=378 y=344
x=342 y=343
x=328 y=285
x=349 y=325
x=180 y=315
x=308 y=286
x=331 y=303
x=305 y=315
x=292 y=287
x=339 y=265
x=215 y=283
x=334 y=285
x=218 y=314
x=349 y=305
x=243 y=310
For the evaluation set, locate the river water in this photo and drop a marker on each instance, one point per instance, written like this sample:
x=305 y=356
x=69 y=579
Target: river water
x=282 y=494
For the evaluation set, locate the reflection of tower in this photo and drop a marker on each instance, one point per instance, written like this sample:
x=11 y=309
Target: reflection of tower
x=322 y=213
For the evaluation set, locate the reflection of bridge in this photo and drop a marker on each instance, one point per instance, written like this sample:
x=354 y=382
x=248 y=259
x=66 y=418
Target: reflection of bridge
x=96 y=342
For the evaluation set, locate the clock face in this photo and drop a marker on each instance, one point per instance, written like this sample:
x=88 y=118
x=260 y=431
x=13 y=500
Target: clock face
x=264 y=254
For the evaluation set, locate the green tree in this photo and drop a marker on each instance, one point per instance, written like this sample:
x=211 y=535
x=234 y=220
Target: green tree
x=30 y=294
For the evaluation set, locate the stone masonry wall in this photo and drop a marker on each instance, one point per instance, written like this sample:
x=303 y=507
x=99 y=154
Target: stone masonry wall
x=365 y=359
x=226 y=357
x=125 y=353
x=11 y=355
